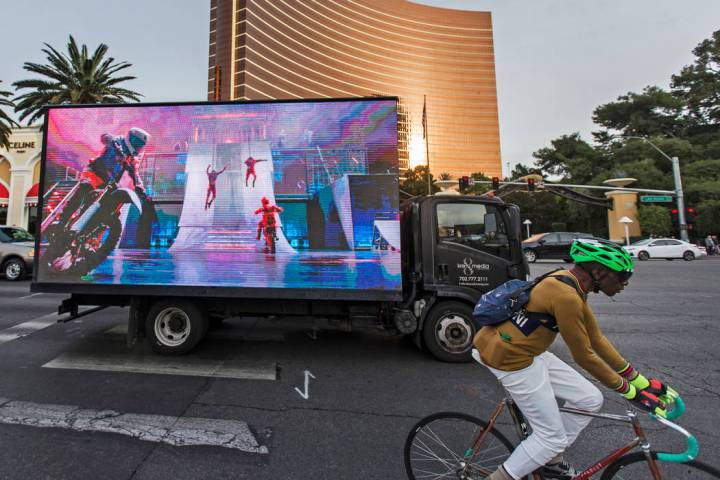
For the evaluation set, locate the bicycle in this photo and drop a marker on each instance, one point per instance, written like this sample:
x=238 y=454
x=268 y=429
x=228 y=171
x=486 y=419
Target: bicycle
x=471 y=449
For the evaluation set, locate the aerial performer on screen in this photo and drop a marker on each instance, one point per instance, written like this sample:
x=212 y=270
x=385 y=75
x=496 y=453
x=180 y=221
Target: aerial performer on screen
x=212 y=178
x=268 y=224
x=250 y=162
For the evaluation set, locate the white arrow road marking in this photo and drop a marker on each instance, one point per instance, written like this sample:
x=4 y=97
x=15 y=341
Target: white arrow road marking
x=306 y=393
x=179 y=431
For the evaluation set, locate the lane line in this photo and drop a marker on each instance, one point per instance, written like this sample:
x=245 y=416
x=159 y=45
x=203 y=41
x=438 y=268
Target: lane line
x=108 y=361
x=30 y=296
x=178 y=431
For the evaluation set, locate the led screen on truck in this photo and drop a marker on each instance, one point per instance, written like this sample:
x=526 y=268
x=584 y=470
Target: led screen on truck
x=267 y=195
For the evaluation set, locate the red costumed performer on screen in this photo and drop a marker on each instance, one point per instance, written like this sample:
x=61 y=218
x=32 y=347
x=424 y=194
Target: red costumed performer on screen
x=268 y=224
x=212 y=178
x=250 y=162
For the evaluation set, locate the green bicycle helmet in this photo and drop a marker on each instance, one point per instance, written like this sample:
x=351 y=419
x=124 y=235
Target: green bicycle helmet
x=607 y=254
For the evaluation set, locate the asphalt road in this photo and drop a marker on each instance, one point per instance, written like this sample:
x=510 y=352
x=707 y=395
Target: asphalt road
x=365 y=393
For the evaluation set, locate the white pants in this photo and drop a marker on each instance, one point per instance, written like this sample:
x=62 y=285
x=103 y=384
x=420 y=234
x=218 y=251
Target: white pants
x=534 y=390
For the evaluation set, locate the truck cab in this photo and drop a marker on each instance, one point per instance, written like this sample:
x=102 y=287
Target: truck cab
x=455 y=248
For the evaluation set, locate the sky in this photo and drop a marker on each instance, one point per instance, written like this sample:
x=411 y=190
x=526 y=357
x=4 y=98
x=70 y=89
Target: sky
x=556 y=60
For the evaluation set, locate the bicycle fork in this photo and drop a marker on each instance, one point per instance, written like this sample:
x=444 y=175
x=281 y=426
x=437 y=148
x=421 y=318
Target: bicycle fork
x=470 y=453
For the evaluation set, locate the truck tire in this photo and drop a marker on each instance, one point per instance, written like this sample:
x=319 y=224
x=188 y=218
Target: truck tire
x=14 y=269
x=448 y=331
x=175 y=326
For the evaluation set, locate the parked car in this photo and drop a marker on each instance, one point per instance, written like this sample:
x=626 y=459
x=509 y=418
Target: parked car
x=17 y=249
x=667 y=248
x=555 y=245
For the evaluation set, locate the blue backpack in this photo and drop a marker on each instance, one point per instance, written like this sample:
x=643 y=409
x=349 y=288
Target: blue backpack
x=508 y=301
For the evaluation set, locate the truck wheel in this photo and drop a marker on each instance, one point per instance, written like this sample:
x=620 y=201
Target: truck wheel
x=530 y=255
x=174 y=327
x=448 y=331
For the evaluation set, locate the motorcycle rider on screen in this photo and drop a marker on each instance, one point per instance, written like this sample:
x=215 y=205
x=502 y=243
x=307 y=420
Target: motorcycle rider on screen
x=120 y=155
x=86 y=225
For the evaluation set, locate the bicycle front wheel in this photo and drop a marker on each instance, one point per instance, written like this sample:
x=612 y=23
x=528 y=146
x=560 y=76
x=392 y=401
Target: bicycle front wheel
x=441 y=446
x=634 y=466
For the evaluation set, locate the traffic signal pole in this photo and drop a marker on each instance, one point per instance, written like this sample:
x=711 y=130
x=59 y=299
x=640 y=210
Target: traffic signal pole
x=680 y=199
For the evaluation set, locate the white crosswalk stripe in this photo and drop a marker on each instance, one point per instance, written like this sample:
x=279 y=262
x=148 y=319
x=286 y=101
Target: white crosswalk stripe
x=179 y=431
x=26 y=328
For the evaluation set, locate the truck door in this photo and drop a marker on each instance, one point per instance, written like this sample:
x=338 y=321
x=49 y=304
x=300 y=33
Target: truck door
x=472 y=247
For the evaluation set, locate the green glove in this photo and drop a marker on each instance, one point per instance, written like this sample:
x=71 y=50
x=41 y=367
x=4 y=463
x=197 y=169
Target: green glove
x=645 y=400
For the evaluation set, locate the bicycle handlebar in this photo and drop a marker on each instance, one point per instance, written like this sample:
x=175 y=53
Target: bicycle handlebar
x=693 y=447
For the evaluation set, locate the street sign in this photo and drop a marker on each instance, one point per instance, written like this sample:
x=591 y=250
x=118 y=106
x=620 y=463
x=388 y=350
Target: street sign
x=656 y=198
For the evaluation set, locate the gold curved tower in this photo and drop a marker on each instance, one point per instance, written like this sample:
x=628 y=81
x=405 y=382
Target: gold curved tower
x=280 y=49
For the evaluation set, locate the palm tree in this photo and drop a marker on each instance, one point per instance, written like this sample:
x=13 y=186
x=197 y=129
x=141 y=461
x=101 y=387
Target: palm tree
x=74 y=77
x=6 y=123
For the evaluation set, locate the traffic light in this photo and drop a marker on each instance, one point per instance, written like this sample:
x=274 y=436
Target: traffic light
x=464 y=184
x=495 y=183
x=690 y=216
x=531 y=184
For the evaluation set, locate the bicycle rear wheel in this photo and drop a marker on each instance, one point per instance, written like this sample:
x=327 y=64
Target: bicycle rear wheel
x=441 y=446
x=634 y=467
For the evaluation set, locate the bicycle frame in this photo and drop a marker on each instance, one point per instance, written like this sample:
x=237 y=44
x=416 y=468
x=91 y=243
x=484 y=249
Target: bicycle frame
x=631 y=418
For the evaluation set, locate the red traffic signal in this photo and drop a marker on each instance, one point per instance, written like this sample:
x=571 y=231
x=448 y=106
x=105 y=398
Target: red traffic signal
x=464 y=183
x=689 y=215
x=495 y=183
x=531 y=184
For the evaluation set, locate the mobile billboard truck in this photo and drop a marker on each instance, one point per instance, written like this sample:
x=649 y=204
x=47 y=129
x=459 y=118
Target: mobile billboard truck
x=190 y=212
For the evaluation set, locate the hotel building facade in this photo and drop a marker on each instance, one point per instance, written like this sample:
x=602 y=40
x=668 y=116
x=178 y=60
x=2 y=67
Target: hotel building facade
x=20 y=177
x=437 y=59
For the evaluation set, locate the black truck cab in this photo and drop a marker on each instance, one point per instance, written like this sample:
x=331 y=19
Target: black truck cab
x=454 y=248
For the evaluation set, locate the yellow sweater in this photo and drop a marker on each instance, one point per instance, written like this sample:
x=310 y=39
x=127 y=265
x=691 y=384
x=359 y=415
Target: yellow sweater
x=505 y=347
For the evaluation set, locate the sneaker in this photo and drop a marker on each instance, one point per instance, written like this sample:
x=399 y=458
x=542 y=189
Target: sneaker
x=561 y=471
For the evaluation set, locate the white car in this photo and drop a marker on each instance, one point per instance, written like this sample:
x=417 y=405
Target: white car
x=667 y=248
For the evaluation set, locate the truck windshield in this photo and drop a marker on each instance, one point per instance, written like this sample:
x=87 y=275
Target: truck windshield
x=8 y=234
x=475 y=225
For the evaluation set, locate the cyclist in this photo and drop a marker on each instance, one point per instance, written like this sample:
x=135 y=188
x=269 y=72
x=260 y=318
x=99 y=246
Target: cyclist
x=534 y=377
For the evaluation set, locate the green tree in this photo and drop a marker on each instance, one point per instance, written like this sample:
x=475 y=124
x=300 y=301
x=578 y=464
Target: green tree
x=698 y=85
x=75 y=77
x=655 y=220
x=6 y=123
x=415 y=181
x=572 y=158
x=521 y=170
x=652 y=112
x=541 y=208
x=707 y=218
x=479 y=188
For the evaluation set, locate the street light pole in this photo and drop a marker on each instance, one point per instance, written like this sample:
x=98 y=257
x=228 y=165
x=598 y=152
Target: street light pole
x=679 y=197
